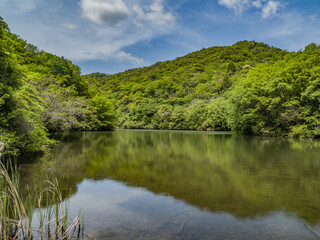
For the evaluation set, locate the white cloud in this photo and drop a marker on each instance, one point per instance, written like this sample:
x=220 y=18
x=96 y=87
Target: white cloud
x=124 y=56
x=270 y=9
x=237 y=5
x=118 y=56
x=92 y=29
x=257 y=4
x=104 y=11
x=154 y=13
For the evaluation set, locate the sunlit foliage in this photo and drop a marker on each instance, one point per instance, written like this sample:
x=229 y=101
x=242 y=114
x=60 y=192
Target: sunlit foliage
x=42 y=93
x=248 y=87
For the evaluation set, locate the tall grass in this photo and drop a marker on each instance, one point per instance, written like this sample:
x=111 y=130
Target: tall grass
x=13 y=218
x=16 y=212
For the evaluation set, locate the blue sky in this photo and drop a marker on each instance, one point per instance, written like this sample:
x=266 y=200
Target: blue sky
x=114 y=35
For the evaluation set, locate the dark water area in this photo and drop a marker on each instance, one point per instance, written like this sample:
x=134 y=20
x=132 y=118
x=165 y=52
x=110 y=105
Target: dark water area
x=186 y=185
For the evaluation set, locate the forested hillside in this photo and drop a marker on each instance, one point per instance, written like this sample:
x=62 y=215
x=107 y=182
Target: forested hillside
x=42 y=93
x=249 y=87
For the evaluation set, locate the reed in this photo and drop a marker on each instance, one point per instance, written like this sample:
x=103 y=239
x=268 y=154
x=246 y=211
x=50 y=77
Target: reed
x=16 y=212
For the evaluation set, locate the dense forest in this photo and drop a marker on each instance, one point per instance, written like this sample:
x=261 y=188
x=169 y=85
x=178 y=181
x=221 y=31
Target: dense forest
x=40 y=94
x=249 y=88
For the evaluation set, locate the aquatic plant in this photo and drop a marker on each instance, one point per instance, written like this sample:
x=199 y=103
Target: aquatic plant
x=16 y=211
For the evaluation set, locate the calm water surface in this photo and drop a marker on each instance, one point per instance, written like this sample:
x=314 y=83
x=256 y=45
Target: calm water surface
x=187 y=185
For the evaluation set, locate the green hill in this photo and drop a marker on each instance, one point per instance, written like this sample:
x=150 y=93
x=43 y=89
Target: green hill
x=248 y=87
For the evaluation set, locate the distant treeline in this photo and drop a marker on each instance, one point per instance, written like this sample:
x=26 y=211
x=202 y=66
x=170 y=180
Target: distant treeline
x=250 y=88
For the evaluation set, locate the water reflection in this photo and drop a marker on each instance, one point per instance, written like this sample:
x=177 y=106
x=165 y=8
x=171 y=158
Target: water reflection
x=212 y=185
x=134 y=213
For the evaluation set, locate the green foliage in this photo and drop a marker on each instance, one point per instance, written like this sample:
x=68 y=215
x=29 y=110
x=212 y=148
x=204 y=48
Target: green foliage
x=248 y=87
x=217 y=116
x=26 y=121
x=197 y=115
x=186 y=93
x=104 y=112
x=41 y=93
x=162 y=118
x=178 y=117
x=279 y=99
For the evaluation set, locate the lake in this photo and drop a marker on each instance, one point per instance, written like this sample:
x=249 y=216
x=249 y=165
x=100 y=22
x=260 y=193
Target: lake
x=134 y=184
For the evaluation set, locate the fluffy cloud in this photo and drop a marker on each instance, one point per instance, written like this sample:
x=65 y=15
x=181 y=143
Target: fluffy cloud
x=154 y=13
x=90 y=29
x=109 y=12
x=140 y=20
x=103 y=29
x=124 y=56
x=268 y=8
x=257 y=4
x=104 y=11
